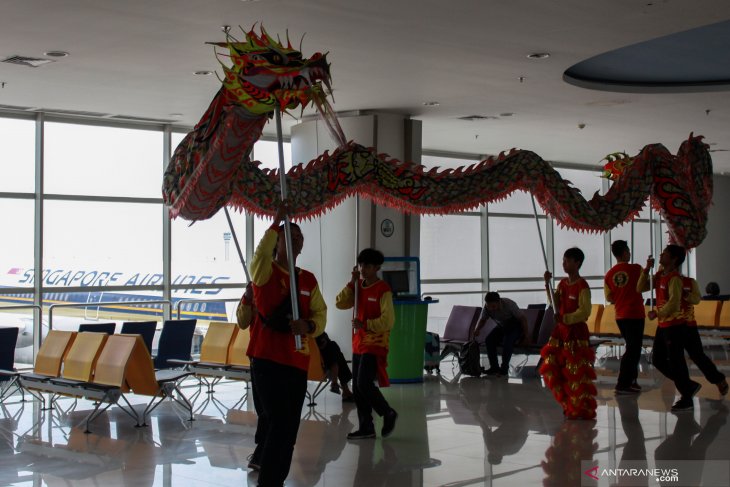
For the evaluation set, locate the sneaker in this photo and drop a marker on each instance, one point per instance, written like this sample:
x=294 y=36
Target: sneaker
x=335 y=388
x=253 y=463
x=361 y=435
x=723 y=387
x=348 y=398
x=389 y=423
x=684 y=404
x=625 y=391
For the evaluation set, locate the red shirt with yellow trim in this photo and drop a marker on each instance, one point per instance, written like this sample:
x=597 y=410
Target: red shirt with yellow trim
x=691 y=295
x=270 y=288
x=574 y=308
x=669 y=299
x=375 y=309
x=620 y=287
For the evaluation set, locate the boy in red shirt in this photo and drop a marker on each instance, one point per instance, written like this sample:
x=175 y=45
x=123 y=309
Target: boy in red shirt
x=620 y=288
x=693 y=342
x=668 y=349
x=374 y=320
x=567 y=366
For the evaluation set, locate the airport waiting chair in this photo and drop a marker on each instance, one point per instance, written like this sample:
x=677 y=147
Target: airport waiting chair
x=176 y=341
x=536 y=306
x=723 y=320
x=240 y=364
x=48 y=362
x=142 y=378
x=214 y=352
x=8 y=383
x=595 y=319
x=316 y=373
x=107 y=328
x=707 y=314
x=146 y=329
x=609 y=327
x=459 y=326
x=78 y=366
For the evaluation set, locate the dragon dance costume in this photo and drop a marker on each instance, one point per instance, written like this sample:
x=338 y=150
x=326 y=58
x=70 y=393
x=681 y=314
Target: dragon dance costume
x=567 y=366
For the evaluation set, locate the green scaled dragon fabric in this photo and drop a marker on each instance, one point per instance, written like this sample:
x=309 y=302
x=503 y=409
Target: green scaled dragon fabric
x=212 y=167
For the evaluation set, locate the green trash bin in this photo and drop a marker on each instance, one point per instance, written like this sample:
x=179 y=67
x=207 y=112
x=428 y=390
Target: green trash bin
x=407 y=339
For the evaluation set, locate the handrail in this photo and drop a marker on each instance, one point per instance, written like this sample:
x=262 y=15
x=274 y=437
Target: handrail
x=23 y=306
x=99 y=303
x=192 y=300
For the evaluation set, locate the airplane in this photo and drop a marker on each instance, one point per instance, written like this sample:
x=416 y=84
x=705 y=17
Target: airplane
x=105 y=306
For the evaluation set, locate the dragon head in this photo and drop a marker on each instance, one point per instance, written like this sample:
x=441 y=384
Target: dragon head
x=265 y=72
x=616 y=164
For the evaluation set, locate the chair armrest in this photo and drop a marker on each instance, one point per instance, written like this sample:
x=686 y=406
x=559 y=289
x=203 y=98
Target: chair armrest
x=11 y=373
x=177 y=361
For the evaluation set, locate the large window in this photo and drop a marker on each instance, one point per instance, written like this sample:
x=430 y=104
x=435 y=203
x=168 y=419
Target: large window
x=111 y=237
x=451 y=247
x=102 y=161
x=17 y=155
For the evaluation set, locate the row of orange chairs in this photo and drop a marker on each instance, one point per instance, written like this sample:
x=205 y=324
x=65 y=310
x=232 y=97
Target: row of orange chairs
x=710 y=315
x=102 y=368
x=223 y=356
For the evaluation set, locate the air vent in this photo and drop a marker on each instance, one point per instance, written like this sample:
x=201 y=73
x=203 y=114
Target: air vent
x=33 y=62
x=474 y=118
x=78 y=113
x=141 y=119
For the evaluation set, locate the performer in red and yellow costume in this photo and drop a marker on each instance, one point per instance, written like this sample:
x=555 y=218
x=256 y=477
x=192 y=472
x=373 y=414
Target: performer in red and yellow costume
x=567 y=366
x=278 y=369
x=373 y=321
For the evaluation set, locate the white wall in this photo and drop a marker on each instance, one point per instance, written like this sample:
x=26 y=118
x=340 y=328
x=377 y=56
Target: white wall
x=713 y=255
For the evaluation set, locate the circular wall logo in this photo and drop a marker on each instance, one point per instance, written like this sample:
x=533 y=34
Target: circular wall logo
x=387 y=228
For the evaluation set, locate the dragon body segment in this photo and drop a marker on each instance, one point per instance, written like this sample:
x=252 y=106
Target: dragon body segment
x=212 y=167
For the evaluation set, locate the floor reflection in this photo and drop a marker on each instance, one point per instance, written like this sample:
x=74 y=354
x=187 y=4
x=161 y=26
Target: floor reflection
x=452 y=431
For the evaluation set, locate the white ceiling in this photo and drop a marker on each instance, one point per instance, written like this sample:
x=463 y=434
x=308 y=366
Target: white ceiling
x=137 y=58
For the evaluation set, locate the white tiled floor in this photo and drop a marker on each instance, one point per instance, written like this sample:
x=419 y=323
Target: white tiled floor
x=451 y=431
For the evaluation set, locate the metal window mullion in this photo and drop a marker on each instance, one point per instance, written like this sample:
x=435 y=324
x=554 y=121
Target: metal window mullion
x=166 y=230
x=484 y=223
x=38 y=233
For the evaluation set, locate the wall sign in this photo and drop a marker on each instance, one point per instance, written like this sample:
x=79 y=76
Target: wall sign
x=387 y=228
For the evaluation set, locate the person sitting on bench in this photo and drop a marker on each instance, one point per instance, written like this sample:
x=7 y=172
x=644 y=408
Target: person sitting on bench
x=336 y=366
x=511 y=328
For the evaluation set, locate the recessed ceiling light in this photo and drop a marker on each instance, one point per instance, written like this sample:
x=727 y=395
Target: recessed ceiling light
x=203 y=73
x=538 y=55
x=506 y=114
x=56 y=53
x=473 y=118
x=431 y=103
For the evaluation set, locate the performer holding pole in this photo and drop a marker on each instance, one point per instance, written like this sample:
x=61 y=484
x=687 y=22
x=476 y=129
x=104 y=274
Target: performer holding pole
x=278 y=371
x=287 y=230
x=549 y=284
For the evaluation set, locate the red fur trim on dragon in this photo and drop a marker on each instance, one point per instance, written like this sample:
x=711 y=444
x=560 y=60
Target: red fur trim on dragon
x=211 y=167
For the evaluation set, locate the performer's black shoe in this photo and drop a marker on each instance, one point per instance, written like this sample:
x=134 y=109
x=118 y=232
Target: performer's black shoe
x=389 y=423
x=361 y=435
x=253 y=462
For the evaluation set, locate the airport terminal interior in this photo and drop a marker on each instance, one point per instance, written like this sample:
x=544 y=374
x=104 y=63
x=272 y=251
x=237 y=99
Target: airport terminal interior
x=96 y=97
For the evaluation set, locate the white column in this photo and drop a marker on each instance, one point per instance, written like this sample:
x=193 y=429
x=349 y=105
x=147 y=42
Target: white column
x=329 y=241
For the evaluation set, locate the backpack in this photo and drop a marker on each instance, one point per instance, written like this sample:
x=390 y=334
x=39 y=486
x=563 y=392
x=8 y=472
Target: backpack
x=469 y=359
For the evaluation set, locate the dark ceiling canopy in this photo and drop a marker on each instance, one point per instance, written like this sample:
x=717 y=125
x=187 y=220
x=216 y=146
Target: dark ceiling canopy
x=691 y=61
